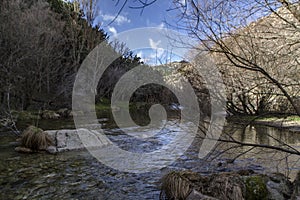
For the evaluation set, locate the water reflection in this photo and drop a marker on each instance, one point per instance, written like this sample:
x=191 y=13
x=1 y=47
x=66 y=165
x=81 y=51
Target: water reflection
x=272 y=160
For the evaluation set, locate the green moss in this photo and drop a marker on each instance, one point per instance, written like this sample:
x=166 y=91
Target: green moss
x=25 y=115
x=256 y=188
x=285 y=118
x=294 y=118
x=268 y=118
x=102 y=106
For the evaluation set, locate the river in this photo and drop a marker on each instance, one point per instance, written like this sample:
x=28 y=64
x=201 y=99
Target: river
x=78 y=175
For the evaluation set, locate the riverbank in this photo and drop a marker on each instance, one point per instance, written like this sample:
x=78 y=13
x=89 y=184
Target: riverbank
x=291 y=122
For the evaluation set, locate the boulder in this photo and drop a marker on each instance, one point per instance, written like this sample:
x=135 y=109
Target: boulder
x=278 y=186
x=64 y=113
x=49 y=114
x=68 y=140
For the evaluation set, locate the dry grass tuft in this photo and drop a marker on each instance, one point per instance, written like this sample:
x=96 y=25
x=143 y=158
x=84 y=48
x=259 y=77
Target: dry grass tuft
x=225 y=186
x=176 y=185
x=34 y=138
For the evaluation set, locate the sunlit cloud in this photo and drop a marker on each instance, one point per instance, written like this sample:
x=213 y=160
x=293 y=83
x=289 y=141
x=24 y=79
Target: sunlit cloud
x=121 y=19
x=113 y=30
x=153 y=44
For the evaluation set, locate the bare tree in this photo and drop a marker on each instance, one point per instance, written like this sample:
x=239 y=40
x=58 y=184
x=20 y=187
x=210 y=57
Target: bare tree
x=259 y=60
x=31 y=50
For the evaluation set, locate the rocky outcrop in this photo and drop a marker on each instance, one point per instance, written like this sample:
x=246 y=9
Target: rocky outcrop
x=64 y=112
x=229 y=186
x=49 y=114
x=68 y=140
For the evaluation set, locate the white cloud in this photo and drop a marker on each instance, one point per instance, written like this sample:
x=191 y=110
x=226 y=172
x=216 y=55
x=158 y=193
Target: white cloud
x=154 y=45
x=162 y=25
x=121 y=19
x=158 y=52
x=140 y=54
x=113 y=30
x=183 y=2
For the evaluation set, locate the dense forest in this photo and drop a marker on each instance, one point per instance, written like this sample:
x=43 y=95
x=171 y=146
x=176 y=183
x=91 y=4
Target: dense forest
x=43 y=44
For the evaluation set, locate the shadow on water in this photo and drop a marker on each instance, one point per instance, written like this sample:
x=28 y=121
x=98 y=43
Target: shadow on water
x=78 y=175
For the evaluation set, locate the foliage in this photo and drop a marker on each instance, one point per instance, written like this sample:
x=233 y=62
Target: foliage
x=256 y=188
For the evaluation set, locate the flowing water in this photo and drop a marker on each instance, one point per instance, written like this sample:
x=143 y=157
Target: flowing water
x=78 y=175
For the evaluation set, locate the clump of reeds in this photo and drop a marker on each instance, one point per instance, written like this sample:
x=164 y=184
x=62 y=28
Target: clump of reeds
x=35 y=139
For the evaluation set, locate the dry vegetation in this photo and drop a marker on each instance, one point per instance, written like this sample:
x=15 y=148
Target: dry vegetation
x=35 y=139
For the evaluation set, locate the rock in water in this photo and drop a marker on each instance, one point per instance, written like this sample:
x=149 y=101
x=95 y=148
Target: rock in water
x=296 y=188
x=68 y=140
x=49 y=114
x=51 y=150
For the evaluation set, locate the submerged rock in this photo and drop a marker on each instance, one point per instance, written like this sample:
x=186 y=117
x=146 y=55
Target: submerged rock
x=195 y=195
x=279 y=187
x=51 y=150
x=23 y=150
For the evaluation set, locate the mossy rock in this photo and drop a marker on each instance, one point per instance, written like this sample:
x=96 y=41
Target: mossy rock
x=256 y=188
x=50 y=114
x=64 y=112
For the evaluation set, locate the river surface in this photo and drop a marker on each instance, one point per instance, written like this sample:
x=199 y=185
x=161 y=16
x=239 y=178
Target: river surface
x=78 y=175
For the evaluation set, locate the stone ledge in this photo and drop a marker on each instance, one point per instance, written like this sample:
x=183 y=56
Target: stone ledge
x=68 y=140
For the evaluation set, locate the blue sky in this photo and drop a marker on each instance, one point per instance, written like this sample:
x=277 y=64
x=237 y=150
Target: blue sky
x=130 y=18
x=152 y=16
